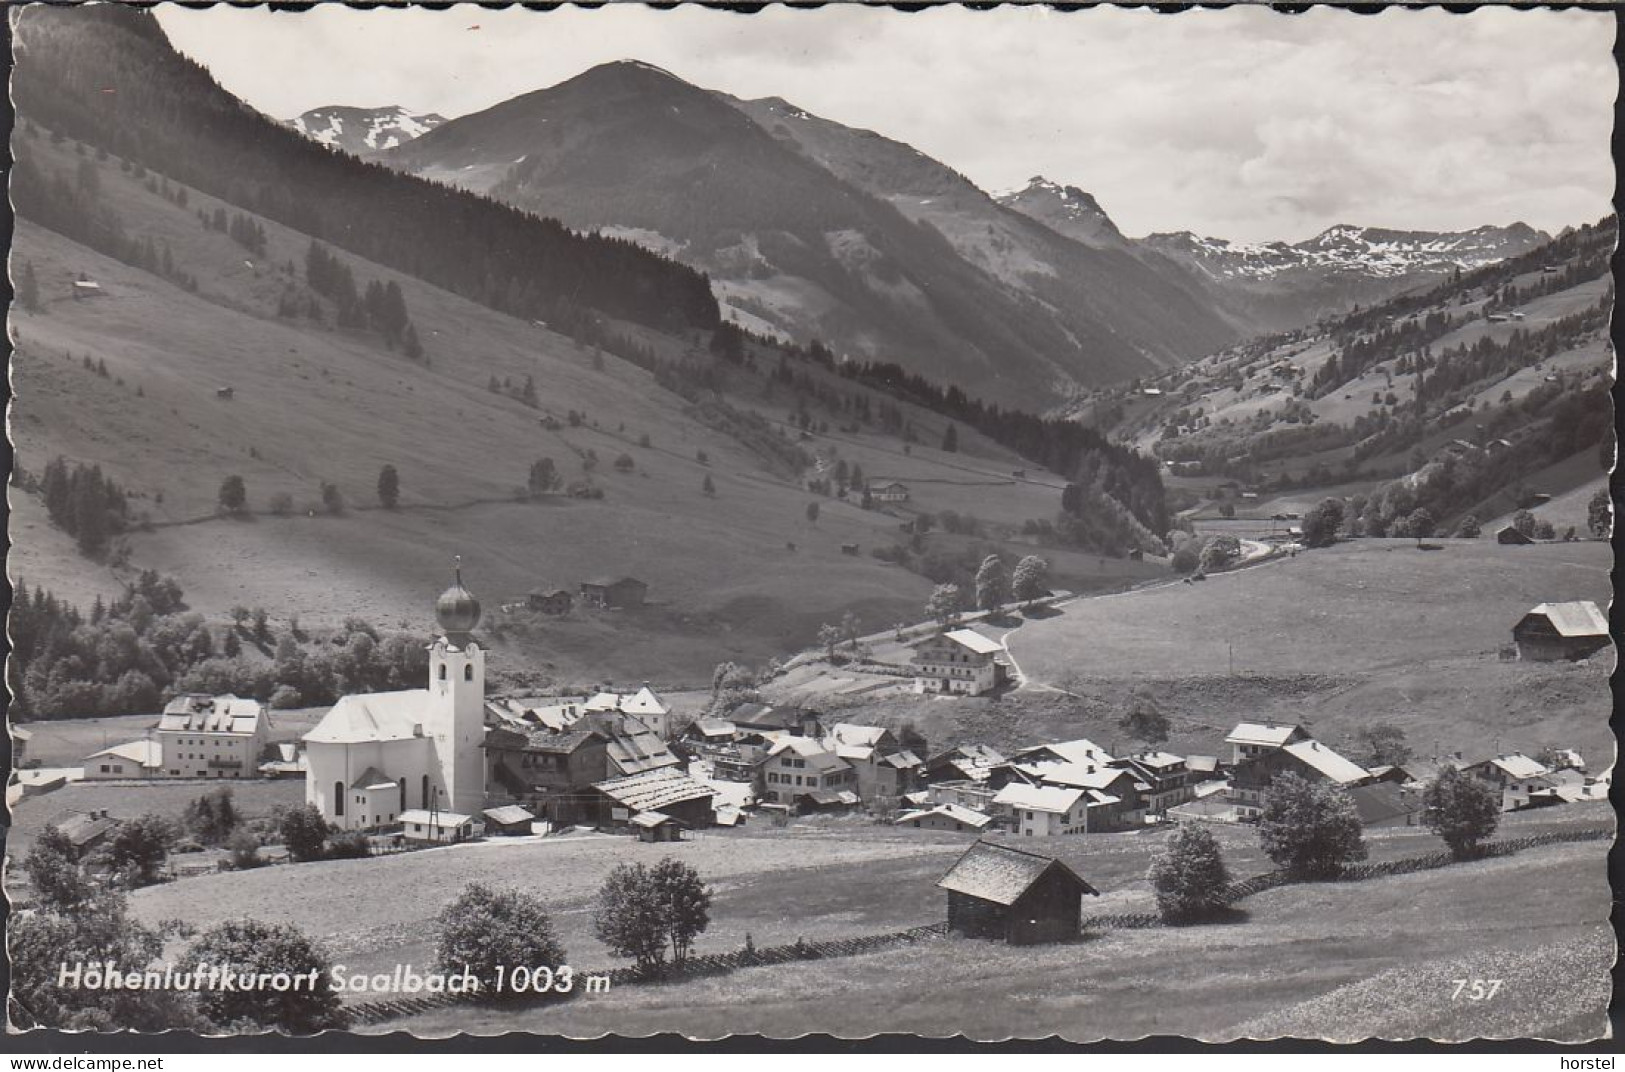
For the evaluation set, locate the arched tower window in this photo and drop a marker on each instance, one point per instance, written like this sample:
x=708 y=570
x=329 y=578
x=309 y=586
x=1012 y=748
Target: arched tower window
x=338 y=798
x=442 y=671
x=468 y=672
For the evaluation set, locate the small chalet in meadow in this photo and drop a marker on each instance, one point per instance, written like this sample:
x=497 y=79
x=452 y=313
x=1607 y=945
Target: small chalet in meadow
x=1509 y=534
x=550 y=600
x=960 y=661
x=893 y=491
x=608 y=592
x=1024 y=898
x=1554 y=631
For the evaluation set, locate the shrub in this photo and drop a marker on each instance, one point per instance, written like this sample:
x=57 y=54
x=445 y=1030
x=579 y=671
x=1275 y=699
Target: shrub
x=140 y=847
x=54 y=871
x=245 y=850
x=281 y=504
x=1310 y=830
x=249 y=947
x=1189 y=875
x=487 y=929
x=1462 y=810
x=304 y=832
x=349 y=845
x=286 y=697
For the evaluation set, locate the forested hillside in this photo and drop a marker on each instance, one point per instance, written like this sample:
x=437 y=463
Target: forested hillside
x=108 y=75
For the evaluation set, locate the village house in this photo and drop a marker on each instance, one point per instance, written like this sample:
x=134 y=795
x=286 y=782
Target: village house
x=1511 y=535
x=718 y=743
x=975 y=796
x=643 y=705
x=634 y=751
x=1382 y=804
x=946 y=817
x=212 y=736
x=1043 y=810
x=610 y=593
x=1114 y=797
x=768 y=719
x=964 y=763
x=960 y=662
x=1553 y=631
x=133 y=759
x=1250 y=739
x=1308 y=759
x=1169 y=783
x=436 y=827
x=885 y=771
x=551 y=773
x=998 y=891
x=893 y=491
x=553 y=601
x=85 y=830
x=1515 y=775
x=800 y=766
x=426 y=742
x=659 y=795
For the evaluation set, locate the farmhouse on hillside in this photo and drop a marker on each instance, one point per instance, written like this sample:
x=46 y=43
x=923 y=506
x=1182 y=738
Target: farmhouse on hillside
x=212 y=736
x=1250 y=739
x=1515 y=775
x=133 y=759
x=423 y=742
x=1553 y=631
x=1510 y=534
x=1044 y=810
x=1385 y=804
x=84 y=829
x=1308 y=759
x=959 y=662
x=614 y=592
x=995 y=891
x=550 y=600
x=894 y=491
x=965 y=763
x=798 y=766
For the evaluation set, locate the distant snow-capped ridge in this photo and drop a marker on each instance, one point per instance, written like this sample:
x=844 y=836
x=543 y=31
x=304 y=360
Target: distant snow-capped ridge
x=364 y=130
x=1372 y=251
x=1067 y=209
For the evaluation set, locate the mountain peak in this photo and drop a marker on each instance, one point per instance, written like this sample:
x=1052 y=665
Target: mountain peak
x=1066 y=210
x=363 y=131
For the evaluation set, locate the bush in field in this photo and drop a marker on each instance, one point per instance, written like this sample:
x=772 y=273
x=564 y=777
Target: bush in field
x=55 y=872
x=348 y=845
x=140 y=847
x=487 y=929
x=1462 y=810
x=1189 y=875
x=304 y=833
x=1187 y=556
x=245 y=850
x=1321 y=522
x=1030 y=579
x=249 y=947
x=1310 y=830
x=1469 y=528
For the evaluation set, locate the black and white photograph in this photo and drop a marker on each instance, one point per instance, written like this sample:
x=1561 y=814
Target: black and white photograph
x=998 y=524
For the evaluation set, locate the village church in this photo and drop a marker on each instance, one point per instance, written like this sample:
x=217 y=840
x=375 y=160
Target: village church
x=377 y=755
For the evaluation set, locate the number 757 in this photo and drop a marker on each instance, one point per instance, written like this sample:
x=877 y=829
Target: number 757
x=1476 y=989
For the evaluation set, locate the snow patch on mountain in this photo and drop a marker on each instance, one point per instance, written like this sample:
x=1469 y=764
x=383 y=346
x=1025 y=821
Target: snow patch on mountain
x=362 y=131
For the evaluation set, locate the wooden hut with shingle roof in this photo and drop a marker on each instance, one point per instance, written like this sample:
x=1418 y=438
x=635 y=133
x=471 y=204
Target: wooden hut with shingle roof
x=996 y=891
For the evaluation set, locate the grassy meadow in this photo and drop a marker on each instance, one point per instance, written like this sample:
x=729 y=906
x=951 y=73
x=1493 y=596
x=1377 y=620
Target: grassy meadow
x=1289 y=954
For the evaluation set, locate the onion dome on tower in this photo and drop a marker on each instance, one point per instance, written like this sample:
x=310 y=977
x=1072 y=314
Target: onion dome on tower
x=457 y=611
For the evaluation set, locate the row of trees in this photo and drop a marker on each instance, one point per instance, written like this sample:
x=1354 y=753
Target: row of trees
x=84 y=503
x=1312 y=832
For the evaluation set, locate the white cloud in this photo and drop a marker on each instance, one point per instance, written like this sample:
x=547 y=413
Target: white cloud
x=1240 y=122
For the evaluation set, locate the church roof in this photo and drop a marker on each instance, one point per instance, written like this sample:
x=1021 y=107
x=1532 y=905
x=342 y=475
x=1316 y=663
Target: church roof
x=373 y=778
x=373 y=716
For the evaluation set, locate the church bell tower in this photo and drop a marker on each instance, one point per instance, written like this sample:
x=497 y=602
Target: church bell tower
x=457 y=701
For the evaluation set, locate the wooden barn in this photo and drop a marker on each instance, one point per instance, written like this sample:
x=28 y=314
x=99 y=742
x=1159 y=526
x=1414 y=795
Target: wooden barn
x=1511 y=536
x=1025 y=898
x=550 y=600
x=1553 y=631
x=614 y=592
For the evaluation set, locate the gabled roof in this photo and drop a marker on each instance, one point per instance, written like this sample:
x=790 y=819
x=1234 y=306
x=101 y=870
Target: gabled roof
x=1202 y=764
x=904 y=760
x=1581 y=618
x=146 y=753
x=633 y=753
x=373 y=716
x=956 y=812
x=1516 y=765
x=1075 y=775
x=654 y=789
x=82 y=828
x=1339 y=769
x=972 y=760
x=197 y=713
x=373 y=778
x=644 y=702
x=1382 y=801
x=1047 y=798
x=1081 y=750
x=508 y=814
x=424 y=817
x=850 y=733
x=970 y=640
x=651 y=819
x=714 y=727
x=1271 y=734
x=779 y=717
x=1155 y=760
x=1002 y=874
x=611 y=582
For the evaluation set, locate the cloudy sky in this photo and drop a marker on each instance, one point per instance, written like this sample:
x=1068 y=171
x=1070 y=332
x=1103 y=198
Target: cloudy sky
x=1240 y=123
